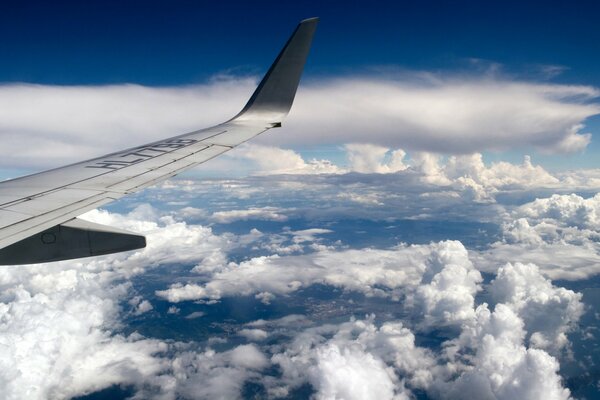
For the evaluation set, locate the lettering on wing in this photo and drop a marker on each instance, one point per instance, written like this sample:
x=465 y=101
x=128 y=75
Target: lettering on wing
x=143 y=153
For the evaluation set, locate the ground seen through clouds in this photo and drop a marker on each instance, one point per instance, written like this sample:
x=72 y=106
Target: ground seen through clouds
x=427 y=282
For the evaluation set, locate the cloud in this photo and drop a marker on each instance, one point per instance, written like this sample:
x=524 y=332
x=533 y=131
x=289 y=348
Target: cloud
x=581 y=178
x=140 y=305
x=194 y=315
x=466 y=173
x=559 y=234
x=548 y=312
x=489 y=360
x=307 y=235
x=370 y=271
x=369 y=199
x=352 y=360
x=275 y=160
x=290 y=319
x=59 y=321
x=429 y=184
x=55 y=325
x=263 y=213
x=249 y=356
x=436 y=281
x=265 y=297
x=419 y=112
x=207 y=375
x=351 y=373
x=565 y=210
x=446 y=114
x=470 y=171
x=253 y=334
x=502 y=367
x=369 y=158
x=447 y=290
x=92 y=119
x=196 y=243
x=507 y=350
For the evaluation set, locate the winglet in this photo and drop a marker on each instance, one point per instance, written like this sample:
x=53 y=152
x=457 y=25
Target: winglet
x=274 y=96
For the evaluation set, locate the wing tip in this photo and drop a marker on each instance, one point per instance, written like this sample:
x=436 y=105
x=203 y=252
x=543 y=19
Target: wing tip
x=275 y=94
x=310 y=20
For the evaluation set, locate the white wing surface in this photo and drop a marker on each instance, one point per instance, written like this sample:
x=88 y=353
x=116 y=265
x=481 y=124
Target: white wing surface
x=38 y=212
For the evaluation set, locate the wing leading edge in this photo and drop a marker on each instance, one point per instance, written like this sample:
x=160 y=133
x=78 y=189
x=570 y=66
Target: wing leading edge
x=38 y=212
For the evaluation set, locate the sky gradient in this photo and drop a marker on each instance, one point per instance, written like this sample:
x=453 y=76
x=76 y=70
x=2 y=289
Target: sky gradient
x=183 y=42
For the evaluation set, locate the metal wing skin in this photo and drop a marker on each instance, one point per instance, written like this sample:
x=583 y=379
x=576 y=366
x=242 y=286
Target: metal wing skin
x=38 y=212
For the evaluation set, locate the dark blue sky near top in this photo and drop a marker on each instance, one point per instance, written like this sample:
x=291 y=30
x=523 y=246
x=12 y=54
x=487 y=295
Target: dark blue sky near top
x=183 y=42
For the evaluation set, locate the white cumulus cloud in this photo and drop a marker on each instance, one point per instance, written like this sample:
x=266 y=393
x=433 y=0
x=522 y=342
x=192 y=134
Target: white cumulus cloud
x=371 y=271
x=262 y=213
x=558 y=233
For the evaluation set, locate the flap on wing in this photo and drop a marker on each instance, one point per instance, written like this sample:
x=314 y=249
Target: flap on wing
x=74 y=239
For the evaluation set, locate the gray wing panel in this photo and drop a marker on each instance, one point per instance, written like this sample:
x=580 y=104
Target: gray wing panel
x=33 y=207
x=28 y=225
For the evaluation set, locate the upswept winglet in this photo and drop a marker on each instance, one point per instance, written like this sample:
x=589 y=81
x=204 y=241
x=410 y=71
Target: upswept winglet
x=275 y=94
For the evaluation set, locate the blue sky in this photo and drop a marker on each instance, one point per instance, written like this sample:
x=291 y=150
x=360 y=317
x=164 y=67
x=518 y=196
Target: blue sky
x=181 y=42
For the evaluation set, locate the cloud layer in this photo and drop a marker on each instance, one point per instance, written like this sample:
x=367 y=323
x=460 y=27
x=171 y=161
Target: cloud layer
x=507 y=348
x=495 y=355
x=445 y=115
x=467 y=174
x=559 y=233
x=46 y=125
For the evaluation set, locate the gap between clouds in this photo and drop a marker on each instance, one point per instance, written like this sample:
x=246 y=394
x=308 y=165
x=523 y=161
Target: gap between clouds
x=45 y=126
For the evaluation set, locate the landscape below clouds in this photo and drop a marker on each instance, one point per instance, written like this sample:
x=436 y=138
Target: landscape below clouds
x=394 y=276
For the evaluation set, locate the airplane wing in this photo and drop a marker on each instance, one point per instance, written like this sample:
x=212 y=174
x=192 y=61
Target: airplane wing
x=38 y=212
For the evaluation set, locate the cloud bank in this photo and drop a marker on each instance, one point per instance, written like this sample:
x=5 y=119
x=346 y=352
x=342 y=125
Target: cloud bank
x=47 y=125
x=466 y=174
x=507 y=348
x=559 y=234
x=496 y=355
